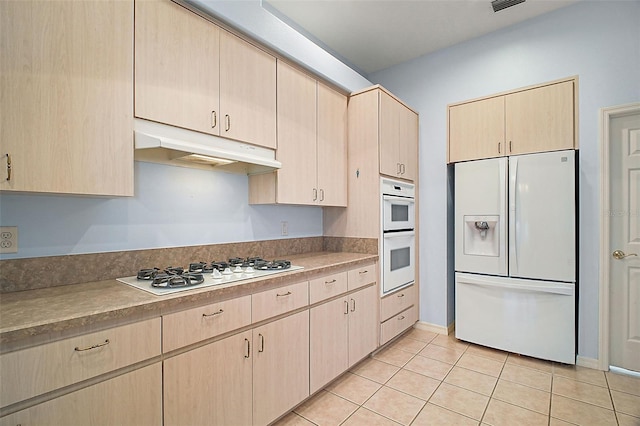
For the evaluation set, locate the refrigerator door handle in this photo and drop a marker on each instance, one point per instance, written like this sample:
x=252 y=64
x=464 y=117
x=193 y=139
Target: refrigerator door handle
x=513 y=216
x=556 y=288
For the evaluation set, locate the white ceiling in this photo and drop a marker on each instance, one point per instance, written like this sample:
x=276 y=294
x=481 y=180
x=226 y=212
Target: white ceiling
x=372 y=35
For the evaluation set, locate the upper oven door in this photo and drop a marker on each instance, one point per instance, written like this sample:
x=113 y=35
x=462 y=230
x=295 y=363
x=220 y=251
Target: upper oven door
x=398 y=213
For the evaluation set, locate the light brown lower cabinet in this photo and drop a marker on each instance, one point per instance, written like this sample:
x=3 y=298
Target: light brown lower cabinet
x=211 y=384
x=133 y=398
x=252 y=377
x=280 y=366
x=342 y=332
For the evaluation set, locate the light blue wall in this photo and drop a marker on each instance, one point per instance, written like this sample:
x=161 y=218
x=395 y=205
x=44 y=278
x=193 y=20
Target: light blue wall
x=597 y=41
x=172 y=207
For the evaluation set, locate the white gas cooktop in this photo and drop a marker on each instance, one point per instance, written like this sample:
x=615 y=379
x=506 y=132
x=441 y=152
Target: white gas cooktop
x=209 y=280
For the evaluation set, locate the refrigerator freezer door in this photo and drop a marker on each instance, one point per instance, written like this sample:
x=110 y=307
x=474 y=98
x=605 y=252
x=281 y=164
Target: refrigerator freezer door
x=542 y=212
x=528 y=317
x=480 y=216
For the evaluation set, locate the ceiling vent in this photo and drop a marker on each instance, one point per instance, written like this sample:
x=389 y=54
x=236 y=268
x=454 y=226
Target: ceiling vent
x=498 y=5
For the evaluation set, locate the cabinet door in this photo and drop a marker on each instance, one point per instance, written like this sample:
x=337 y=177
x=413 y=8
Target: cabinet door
x=132 y=399
x=296 y=180
x=280 y=366
x=332 y=147
x=540 y=119
x=389 y=133
x=329 y=329
x=409 y=144
x=363 y=323
x=247 y=92
x=476 y=130
x=210 y=384
x=177 y=67
x=67 y=96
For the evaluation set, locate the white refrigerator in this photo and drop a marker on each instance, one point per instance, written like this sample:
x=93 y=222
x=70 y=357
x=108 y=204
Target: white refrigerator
x=515 y=254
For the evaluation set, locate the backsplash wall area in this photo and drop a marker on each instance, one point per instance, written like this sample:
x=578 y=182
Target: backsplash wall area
x=172 y=207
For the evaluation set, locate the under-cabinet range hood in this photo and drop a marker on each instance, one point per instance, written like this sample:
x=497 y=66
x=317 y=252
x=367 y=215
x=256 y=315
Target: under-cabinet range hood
x=160 y=143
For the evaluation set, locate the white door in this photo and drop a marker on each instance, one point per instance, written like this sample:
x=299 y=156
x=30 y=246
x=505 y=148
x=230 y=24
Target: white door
x=624 y=239
x=542 y=216
x=481 y=216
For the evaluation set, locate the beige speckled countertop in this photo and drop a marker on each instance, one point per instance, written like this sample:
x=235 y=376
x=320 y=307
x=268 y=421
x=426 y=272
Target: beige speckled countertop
x=35 y=316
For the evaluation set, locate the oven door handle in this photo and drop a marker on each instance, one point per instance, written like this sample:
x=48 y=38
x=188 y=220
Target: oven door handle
x=387 y=235
x=405 y=200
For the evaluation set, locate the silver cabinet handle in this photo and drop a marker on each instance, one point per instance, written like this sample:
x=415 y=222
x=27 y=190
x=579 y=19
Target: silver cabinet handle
x=401 y=317
x=283 y=295
x=346 y=307
x=398 y=169
x=401 y=295
x=214 y=119
x=98 y=345
x=619 y=254
x=261 y=343
x=363 y=272
x=499 y=143
x=248 y=354
x=315 y=194
x=8 y=167
x=510 y=150
x=403 y=168
x=353 y=305
x=227 y=122
x=330 y=282
x=322 y=195
x=213 y=314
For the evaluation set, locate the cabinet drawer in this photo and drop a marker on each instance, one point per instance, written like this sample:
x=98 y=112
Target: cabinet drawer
x=193 y=325
x=397 y=324
x=279 y=300
x=327 y=287
x=362 y=276
x=397 y=302
x=33 y=371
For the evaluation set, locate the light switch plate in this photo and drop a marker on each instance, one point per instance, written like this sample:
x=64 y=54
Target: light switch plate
x=8 y=239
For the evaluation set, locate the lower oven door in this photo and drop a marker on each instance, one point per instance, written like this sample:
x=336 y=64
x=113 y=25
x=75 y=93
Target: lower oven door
x=398 y=260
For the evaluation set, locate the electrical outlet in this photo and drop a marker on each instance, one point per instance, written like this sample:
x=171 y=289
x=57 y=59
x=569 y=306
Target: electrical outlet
x=8 y=239
x=285 y=228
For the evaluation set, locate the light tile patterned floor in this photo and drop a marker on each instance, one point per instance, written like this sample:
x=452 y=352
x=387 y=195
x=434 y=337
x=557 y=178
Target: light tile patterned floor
x=429 y=379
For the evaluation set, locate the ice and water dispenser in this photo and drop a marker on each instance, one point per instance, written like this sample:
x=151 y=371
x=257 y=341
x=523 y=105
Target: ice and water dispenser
x=482 y=235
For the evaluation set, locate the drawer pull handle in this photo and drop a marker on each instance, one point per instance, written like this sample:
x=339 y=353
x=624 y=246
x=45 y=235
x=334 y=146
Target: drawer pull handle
x=99 y=345
x=401 y=317
x=401 y=295
x=261 y=343
x=213 y=314
x=330 y=282
x=283 y=295
x=248 y=354
x=363 y=272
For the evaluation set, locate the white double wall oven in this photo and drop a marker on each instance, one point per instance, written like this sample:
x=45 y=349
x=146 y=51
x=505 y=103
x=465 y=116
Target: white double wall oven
x=397 y=208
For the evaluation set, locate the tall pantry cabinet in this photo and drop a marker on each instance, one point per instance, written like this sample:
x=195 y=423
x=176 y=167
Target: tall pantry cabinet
x=383 y=141
x=66 y=110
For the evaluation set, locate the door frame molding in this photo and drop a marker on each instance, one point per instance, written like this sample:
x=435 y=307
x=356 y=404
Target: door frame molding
x=606 y=115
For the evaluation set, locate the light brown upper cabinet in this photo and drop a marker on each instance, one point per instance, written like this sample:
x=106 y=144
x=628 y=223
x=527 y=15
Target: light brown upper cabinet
x=530 y=120
x=398 y=132
x=66 y=116
x=191 y=73
x=312 y=147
